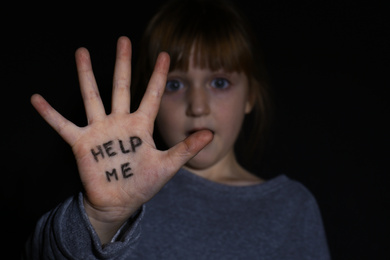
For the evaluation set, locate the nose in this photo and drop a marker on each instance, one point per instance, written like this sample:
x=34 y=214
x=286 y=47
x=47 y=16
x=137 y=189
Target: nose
x=197 y=102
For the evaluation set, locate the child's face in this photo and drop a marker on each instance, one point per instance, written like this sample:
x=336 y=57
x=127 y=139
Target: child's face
x=204 y=99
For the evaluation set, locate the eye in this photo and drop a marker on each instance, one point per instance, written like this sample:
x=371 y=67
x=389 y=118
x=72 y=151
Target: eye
x=173 y=85
x=220 y=83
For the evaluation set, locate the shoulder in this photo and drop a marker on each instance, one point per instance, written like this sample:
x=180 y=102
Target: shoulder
x=282 y=184
x=293 y=214
x=291 y=201
x=288 y=194
x=295 y=189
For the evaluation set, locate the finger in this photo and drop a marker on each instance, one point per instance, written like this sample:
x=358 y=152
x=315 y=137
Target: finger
x=151 y=101
x=66 y=129
x=182 y=152
x=92 y=102
x=122 y=77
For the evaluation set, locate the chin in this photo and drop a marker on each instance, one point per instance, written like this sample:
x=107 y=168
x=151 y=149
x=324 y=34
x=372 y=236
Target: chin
x=201 y=161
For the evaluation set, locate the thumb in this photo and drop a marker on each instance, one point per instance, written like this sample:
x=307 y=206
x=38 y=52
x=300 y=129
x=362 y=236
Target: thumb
x=182 y=152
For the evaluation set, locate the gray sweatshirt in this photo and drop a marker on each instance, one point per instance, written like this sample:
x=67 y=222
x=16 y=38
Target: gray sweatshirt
x=193 y=218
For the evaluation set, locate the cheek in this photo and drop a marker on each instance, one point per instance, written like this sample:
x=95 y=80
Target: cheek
x=231 y=115
x=233 y=105
x=233 y=121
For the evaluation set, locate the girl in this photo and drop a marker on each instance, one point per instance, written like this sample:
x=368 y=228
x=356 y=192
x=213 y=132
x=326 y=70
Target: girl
x=192 y=200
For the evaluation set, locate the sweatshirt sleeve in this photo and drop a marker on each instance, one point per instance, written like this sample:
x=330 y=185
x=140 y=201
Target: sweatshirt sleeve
x=66 y=233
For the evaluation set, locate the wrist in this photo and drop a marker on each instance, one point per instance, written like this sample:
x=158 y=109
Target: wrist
x=105 y=223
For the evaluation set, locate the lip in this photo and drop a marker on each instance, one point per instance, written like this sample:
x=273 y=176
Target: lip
x=190 y=132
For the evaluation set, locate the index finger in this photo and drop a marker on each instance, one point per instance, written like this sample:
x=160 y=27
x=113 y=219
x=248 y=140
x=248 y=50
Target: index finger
x=151 y=101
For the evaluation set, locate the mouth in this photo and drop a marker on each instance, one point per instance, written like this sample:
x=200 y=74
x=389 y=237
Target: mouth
x=190 y=132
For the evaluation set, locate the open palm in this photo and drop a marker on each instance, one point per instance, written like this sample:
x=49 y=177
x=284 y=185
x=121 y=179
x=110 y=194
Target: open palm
x=118 y=163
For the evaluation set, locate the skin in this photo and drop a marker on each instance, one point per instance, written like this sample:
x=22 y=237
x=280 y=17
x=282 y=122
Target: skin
x=110 y=204
x=214 y=100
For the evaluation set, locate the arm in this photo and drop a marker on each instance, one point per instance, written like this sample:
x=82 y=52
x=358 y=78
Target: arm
x=118 y=163
x=66 y=233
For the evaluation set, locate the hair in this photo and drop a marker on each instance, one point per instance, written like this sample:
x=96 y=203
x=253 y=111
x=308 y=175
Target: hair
x=221 y=38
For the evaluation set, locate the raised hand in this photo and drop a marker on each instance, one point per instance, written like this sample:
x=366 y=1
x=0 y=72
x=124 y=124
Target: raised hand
x=118 y=163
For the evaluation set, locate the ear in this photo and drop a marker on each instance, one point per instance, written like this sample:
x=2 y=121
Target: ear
x=248 y=106
x=251 y=98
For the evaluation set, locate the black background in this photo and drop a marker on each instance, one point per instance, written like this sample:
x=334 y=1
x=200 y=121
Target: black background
x=328 y=64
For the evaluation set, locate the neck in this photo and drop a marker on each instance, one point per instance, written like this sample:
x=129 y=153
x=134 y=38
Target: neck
x=227 y=171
